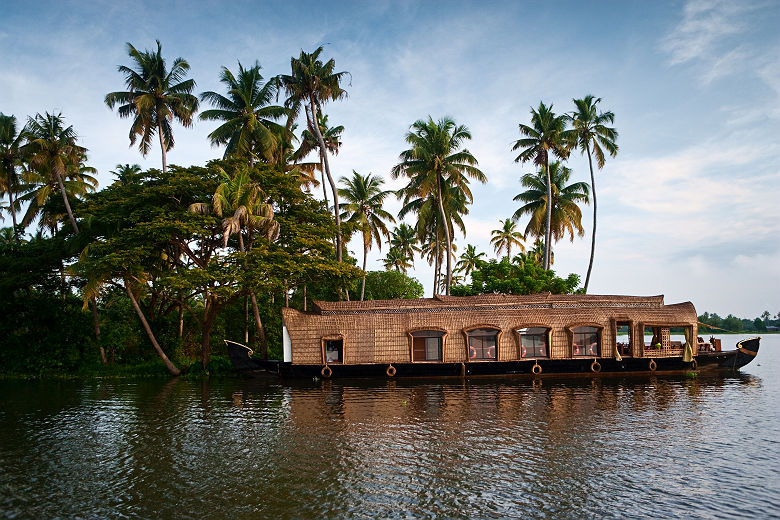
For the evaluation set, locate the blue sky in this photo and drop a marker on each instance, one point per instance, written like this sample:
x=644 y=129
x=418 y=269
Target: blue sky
x=688 y=209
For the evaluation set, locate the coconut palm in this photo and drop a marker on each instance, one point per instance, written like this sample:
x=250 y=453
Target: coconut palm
x=155 y=97
x=331 y=136
x=248 y=126
x=363 y=207
x=547 y=135
x=53 y=154
x=468 y=260
x=310 y=84
x=10 y=160
x=565 y=214
x=404 y=238
x=536 y=253
x=396 y=259
x=124 y=173
x=436 y=157
x=593 y=136
x=506 y=237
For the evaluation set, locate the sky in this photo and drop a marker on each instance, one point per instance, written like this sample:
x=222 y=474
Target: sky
x=689 y=208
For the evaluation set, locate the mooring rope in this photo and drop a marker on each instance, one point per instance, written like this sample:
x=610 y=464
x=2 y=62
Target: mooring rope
x=717 y=328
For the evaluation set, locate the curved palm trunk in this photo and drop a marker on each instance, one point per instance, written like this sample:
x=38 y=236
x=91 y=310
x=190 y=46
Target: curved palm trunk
x=446 y=235
x=321 y=142
x=67 y=204
x=547 y=230
x=96 y=322
x=162 y=147
x=13 y=211
x=322 y=172
x=365 y=258
x=171 y=367
x=593 y=234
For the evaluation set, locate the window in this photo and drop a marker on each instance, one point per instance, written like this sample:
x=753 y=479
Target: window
x=482 y=344
x=585 y=341
x=334 y=350
x=426 y=345
x=533 y=342
x=623 y=338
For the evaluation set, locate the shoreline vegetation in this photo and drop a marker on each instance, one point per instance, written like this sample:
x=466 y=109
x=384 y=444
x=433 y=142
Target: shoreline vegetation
x=148 y=274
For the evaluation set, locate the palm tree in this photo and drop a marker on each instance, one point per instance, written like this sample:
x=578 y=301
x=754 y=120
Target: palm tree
x=404 y=239
x=310 y=84
x=536 y=254
x=155 y=97
x=124 y=173
x=436 y=158
x=468 y=260
x=248 y=127
x=396 y=259
x=331 y=136
x=363 y=207
x=565 y=214
x=506 y=237
x=53 y=153
x=546 y=136
x=591 y=134
x=246 y=210
x=10 y=158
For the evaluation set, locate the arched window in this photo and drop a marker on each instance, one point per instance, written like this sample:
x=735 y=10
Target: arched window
x=483 y=344
x=586 y=341
x=427 y=345
x=534 y=342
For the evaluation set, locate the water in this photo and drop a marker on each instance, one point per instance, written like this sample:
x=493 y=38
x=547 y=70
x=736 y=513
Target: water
x=655 y=447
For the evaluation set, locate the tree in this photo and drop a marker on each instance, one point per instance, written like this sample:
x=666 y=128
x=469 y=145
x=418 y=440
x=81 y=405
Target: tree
x=547 y=135
x=396 y=259
x=436 y=158
x=564 y=214
x=518 y=276
x=53 y=153
x=389 y=285
x=591 y=133
x=506 y=237
x=468 y=260
x=536 y=253
x=155 y=97
x=331 y=136
x=310 y=84
x=248 y=126
x=363 y=207
x=10 y=158
x=126 y=173
x=404 y=240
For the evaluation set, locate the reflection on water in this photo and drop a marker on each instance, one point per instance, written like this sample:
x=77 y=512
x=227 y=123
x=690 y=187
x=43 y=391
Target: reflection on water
x=655 y=447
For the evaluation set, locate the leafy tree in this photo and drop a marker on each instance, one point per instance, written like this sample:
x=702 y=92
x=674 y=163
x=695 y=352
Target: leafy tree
x=504 y=238
x=363 y=208
x=155 y=96
x=248 y=126
x=468 y=260
x=436 y=161
x=126 y=173
x=547 y=135
x=10 y=159
x=310 y=84
x=591 y=133
x=518 y=276
x=331 y=136
x=564 y=214
x=388 y=285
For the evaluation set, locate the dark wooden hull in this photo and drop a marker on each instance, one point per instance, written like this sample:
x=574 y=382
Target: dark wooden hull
x=726 y=360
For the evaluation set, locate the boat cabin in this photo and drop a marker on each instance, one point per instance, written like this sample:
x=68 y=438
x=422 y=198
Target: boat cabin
x=486 y=329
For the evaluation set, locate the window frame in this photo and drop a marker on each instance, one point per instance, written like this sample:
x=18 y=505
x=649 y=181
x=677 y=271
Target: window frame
x=410 y=335
x=631 y=335
x=467 y=333
x=333 y=337
x=599 y=333
x=519 y=339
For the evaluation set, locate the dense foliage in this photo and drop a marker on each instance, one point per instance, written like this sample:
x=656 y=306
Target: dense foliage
x=521 y=275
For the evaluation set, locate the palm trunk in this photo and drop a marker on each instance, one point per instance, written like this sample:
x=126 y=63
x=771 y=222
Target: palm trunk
x=593 y=234
x=365 y=258
x=321 y=142
x=67 y=204
x=322 y=172
x=13 y=211
x=259 y=324
x=436 y=263
x=171 y=367
x=547 y=230
x=162 y=147
x=446 y=235
x=181 y=321
x=93 y=304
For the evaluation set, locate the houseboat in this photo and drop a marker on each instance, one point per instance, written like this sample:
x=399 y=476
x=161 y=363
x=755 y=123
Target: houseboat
x=494 y=334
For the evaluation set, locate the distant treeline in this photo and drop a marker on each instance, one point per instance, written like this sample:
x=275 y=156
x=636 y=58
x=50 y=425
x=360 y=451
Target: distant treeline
x=731 y=323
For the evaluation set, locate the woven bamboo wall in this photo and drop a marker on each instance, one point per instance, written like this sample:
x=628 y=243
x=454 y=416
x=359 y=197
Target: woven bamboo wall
x=377 y=332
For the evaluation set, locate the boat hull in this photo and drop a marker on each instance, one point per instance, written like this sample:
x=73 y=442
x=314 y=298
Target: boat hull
x=710 y=361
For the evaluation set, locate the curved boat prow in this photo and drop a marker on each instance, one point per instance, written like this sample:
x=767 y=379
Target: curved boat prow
x=747 y=350
x=241 y=356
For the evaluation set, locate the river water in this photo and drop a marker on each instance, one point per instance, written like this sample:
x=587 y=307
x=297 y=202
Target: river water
x=641 y=447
